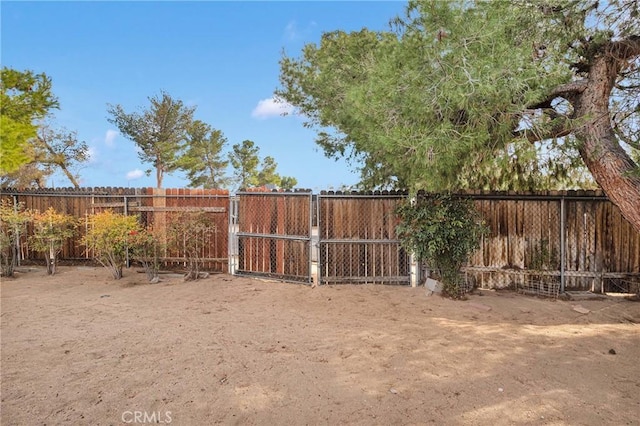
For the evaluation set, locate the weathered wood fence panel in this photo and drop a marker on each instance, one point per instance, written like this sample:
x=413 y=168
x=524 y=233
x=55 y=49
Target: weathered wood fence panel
x=358 y=241
x=172 y=205
x=274 y=235
x=526 y=235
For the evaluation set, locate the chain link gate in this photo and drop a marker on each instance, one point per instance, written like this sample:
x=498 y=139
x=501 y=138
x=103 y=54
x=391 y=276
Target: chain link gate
x=358 y=241
x=274 y=235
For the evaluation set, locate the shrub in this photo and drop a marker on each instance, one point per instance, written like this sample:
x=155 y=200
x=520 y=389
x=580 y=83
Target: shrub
x=108 y=239
x=13 y=223
x=51 y=230
x=146 y=247
x=187 y=234
x=443 y=231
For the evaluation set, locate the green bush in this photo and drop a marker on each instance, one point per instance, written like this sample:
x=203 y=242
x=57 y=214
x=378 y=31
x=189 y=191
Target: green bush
x=443 y=231
x=187 y=234
x=146 y=247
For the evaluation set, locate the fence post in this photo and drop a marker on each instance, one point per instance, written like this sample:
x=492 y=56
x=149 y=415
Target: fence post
x=126 y=213
x=562 y=243
x=311 y=280
x=17 y=247
x=319 y=264
x=232 y=238
x=414 y=271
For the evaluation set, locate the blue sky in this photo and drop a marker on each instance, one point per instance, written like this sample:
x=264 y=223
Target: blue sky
x=221 y=57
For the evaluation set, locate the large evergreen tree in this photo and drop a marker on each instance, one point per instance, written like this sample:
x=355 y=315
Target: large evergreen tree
x=482 y=94
x=268 y=173
x=244 y=159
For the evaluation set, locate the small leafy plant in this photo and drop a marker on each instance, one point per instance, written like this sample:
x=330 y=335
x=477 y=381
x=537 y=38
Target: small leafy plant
x=146 y=248
x=187 y=234
x=51 y=230
x=108 y=239
x=13 y=224
x=443 y=231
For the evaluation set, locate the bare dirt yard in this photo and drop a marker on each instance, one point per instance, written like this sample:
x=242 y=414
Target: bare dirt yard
x=80 y=348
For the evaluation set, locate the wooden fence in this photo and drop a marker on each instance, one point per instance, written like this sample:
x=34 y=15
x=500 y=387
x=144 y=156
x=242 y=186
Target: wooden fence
x=154 y=207
x=274 y=235
x=579 y=237
x=357 y=239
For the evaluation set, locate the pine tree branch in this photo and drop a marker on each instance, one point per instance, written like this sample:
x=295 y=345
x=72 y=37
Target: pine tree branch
x=625 y=49
x=565 y=91
x=562 y=127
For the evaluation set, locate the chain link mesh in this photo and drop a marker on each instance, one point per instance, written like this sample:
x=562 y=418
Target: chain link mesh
x=274 y=235
x=357 y=239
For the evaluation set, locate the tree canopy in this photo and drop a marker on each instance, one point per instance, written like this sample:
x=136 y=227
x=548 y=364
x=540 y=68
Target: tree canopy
x=244 y=159
x=202 y=159
x=475 y=94
x=160 y=131
x=25 y=98
x=32 y=147
x=250 y=171
x=51 y=149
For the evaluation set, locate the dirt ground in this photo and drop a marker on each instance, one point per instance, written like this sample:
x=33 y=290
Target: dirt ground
x=81 y=348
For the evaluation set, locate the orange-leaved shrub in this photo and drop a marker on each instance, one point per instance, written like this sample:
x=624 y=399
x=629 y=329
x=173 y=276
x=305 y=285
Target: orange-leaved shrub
x=50 y=230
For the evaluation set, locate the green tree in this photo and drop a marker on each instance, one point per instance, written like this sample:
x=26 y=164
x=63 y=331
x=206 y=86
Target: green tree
x=159 y=131
x=268 y=174
x=32 y=149
x=245 y=160
x=52 y=149
x=14 y=144
x=443 y=231
x=481 y=94
x=202 y=159
x=288 y=183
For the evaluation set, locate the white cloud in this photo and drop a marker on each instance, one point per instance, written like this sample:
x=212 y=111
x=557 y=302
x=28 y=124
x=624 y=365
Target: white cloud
x=135 y=174
x=293 y=32
x=290 y=31
x=110 y=137
x=271 y=107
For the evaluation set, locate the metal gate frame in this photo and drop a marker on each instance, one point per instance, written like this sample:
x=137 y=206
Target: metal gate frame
x=240 y=235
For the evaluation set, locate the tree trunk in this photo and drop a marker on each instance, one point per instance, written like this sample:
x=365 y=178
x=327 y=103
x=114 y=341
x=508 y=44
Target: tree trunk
x=158 y=177
x=607 y=161
x=51 y=259
x=69 y=176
